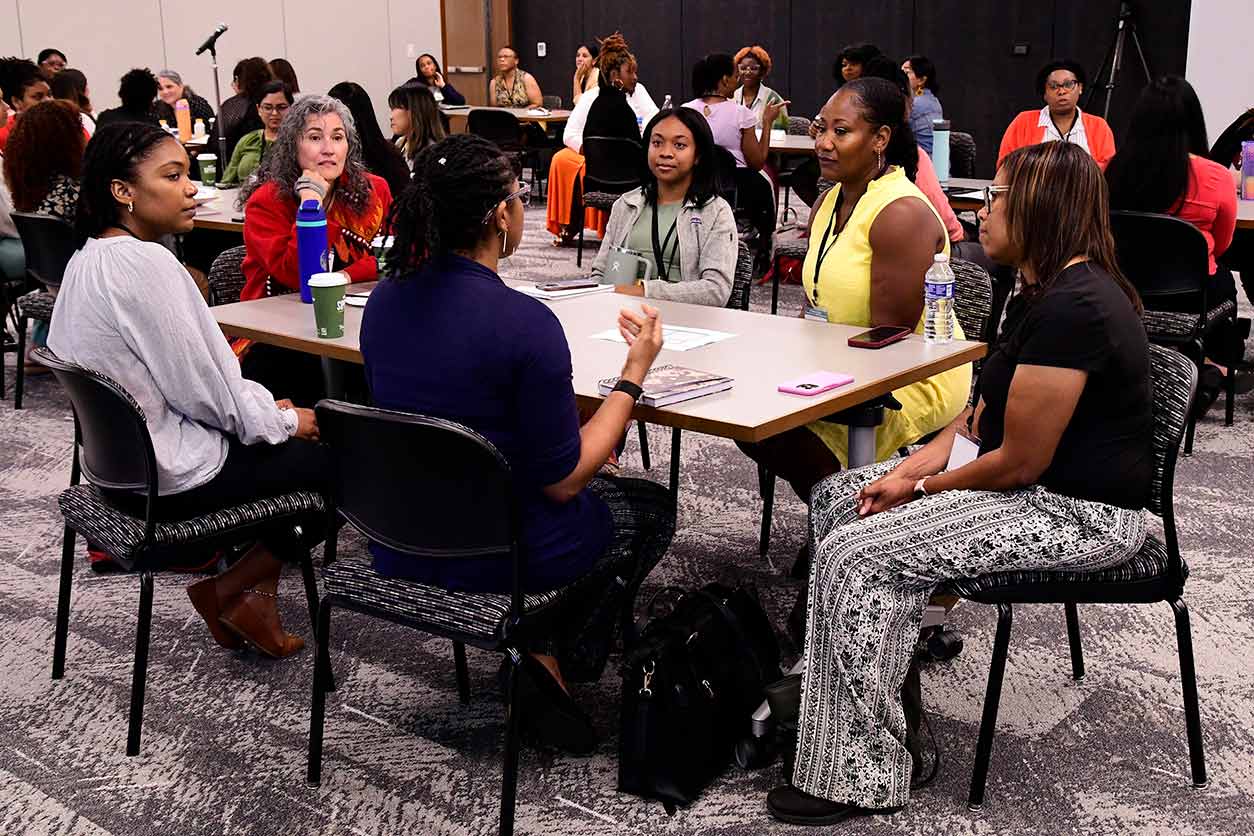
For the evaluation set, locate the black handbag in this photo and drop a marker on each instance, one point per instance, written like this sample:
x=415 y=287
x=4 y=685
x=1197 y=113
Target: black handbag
x=690 y=684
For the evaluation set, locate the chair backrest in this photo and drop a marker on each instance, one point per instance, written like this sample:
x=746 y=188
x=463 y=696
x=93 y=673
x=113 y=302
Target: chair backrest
x=1173 y=380
x=725 y=174
x=499 y=126
x=1164 y=257
x=742 y=279
x=49 y=242
x=552 y=102
x=114 y=448
x=226 y=276
x=798 y=126
x=423 y=486
x=613 y=164
x=961 y=154
x=973 y=298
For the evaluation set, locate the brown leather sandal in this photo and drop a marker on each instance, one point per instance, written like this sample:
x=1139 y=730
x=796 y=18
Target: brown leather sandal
x=204 y=595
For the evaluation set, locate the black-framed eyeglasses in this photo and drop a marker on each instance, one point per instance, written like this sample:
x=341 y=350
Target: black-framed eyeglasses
x=272 y=108
x=1069 y=84
x=989 y=191
x=524 y=197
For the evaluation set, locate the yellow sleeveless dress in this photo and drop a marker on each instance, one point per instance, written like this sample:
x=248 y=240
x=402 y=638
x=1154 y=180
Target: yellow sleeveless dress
x=844 y=289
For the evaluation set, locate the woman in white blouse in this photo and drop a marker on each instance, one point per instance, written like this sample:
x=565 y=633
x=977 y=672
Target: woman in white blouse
x=128 y=309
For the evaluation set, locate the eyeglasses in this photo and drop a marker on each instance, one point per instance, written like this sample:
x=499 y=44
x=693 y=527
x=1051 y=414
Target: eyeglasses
x=269 y=108
x=989 y=191
x=1054 y=86
x=524 y=197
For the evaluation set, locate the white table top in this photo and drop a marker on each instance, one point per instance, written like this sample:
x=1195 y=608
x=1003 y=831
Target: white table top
x=220 y=213
x=766 y=351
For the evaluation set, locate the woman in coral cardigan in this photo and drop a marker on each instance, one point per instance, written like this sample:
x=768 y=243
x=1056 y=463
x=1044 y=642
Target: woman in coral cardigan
x=1061 y=84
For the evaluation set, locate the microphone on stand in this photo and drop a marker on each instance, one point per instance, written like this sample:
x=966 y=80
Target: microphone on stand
x=212 y=39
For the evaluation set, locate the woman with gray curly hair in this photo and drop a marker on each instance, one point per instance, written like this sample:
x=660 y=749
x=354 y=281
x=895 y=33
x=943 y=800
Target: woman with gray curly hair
x=315 y=157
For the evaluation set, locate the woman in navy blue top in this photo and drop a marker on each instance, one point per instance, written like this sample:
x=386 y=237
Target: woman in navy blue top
x=444 y=336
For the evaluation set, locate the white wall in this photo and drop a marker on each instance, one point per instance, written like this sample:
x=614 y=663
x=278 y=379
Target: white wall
x=1219 y=59
x=367 y=41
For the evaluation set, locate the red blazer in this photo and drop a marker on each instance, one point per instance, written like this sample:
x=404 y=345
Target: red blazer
x=1026 y=130
x=270 y=238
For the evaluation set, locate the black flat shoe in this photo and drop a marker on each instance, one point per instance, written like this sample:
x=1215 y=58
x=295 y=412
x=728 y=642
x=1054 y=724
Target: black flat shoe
x=547 y=713
x=791 y=805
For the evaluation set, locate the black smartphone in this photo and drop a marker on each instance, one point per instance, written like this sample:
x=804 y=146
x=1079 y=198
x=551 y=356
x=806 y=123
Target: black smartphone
x=880 y=336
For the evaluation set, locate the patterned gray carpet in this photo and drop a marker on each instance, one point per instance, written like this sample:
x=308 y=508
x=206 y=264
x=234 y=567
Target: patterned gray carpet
x=225 y=733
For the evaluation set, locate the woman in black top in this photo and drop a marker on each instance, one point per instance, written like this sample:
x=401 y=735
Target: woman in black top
x=1062 y=475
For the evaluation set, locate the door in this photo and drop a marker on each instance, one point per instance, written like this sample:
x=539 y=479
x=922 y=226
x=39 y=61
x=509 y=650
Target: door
x=473 y=31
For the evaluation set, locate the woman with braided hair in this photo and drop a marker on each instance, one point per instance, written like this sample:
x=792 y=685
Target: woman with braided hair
x=127 y=309
x=619 y=106
x=504 y=370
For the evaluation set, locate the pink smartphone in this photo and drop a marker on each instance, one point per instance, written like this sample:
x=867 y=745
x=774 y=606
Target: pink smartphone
x=815 y=383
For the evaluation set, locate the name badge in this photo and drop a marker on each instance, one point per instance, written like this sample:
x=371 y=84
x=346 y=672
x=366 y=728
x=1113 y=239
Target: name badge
x=965 y=450
x=816 y=314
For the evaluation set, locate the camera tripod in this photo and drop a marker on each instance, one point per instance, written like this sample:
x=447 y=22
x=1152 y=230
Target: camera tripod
x=1125 y=22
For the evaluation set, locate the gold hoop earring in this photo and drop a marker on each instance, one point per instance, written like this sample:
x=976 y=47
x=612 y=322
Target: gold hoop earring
x=504 y=242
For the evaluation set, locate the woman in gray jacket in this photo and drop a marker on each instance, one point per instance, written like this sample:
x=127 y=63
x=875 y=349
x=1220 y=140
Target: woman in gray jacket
x=676 y=220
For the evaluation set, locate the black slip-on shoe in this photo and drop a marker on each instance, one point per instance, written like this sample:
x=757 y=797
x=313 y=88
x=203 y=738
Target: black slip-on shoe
x=549 y=716
x=791 y=805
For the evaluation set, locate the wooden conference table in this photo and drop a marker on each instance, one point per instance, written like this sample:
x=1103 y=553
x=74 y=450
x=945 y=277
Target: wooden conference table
x=765 y=351
x=1245 y=214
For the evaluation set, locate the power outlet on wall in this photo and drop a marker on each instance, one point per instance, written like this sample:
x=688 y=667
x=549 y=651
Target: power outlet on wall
x=409 y=50
x=542 y=49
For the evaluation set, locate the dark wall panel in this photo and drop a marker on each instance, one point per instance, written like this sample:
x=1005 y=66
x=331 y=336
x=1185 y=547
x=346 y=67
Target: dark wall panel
x=728 y=25
x=821 y=28
x=1085 y=31
x=654 y=29
x=983 y=84
x=535 y=21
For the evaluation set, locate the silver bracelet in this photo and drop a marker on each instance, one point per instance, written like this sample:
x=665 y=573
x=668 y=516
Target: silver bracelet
x=303 y=183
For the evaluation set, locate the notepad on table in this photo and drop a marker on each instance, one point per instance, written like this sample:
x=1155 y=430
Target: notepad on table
x=675 y=337
x=532 y=290
x=666 y=385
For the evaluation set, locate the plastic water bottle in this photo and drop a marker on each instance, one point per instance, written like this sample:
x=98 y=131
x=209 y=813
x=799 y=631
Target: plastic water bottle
x=667 y=104
x=940 y=148
x=938 y=297
x=311 y=244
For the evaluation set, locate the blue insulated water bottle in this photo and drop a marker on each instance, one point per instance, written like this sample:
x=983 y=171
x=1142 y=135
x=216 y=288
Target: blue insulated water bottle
x=311 y=244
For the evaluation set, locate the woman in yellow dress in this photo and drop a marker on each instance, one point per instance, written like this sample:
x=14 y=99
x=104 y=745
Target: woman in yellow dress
x=872 y=239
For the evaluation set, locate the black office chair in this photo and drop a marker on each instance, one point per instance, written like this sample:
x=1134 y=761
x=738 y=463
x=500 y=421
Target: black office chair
x=226 y=276
x=612 y=168
x=113 y=449
x=1156 y=574
x=785 y=248
x=439 y=491
x=1166 y=259
x=49 y=243
x=502 y=128
x=961 y=154
x=742 y=285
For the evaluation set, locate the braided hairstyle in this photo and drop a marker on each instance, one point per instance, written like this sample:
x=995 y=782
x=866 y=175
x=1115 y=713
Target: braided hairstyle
x=614 y=53
x=113 y=153
x=456 y=183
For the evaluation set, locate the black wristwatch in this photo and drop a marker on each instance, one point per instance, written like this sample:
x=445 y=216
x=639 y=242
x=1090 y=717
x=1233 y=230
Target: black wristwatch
x=628 y=387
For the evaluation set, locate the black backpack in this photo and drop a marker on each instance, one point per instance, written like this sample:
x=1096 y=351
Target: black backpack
x=690 y=684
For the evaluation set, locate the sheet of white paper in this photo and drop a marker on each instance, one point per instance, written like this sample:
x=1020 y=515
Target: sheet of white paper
x=962 y=453
x=977 y=195
x=675 y=337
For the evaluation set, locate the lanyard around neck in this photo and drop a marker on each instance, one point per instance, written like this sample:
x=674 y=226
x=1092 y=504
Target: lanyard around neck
x=663 y=269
